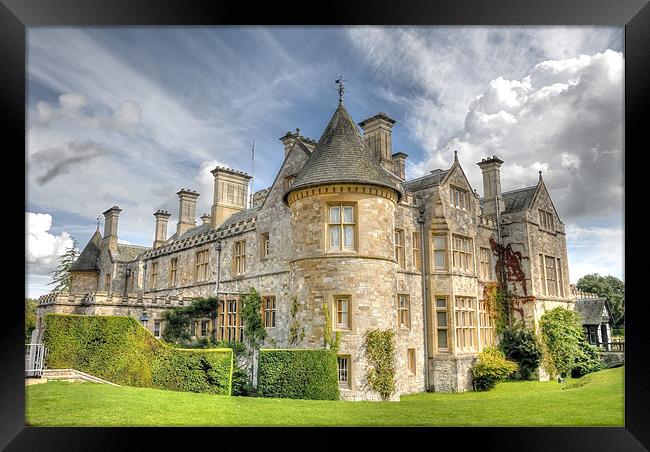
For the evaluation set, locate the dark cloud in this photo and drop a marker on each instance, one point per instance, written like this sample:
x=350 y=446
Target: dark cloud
x=63 y=159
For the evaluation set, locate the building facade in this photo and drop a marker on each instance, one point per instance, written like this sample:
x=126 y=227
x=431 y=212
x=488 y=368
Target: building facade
x=341 y=226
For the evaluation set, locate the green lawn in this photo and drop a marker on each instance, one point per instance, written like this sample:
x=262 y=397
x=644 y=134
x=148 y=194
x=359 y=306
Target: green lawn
x=595 y=400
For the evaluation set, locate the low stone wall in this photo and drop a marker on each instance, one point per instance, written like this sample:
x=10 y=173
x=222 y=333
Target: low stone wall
x=612 y=359
x=451 y=373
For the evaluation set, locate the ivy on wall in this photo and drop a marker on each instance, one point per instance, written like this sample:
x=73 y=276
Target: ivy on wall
x=296 y=331
x=379 y=346
x=331 y=339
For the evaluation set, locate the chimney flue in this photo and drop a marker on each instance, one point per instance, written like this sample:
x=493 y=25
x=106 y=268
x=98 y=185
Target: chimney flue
x=493 y=200
x=378 y=137
x=162 y=217
x=186 y=210
x=230 y=194
x=110 y=227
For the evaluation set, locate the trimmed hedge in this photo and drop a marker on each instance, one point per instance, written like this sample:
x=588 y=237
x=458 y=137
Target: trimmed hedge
x=120 y=350
x=298 y=374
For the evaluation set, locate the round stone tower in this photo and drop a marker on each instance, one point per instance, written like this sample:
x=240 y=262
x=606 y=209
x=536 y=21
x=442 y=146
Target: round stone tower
x=343 y=212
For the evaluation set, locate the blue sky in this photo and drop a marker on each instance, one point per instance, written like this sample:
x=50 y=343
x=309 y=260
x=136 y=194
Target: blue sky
x=130 y=115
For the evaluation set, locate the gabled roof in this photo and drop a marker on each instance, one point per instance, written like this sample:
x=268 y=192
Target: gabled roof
x=341 y=155
x=88 y=260
x=430 y=180
x=591 y=310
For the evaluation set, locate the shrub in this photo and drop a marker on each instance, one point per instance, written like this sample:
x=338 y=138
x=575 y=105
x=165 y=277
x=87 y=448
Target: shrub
x=588 y=361
x=380 y=352
x=298 y=374
x=490 y=368
x=562 y=334
x=120 y=350
x=521 y=345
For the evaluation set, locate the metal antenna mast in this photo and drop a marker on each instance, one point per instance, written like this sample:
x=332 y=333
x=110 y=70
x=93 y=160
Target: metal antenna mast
x=252 y=174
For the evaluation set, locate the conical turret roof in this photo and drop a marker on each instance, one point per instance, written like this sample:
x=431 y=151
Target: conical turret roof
x=341 y=156
x=88 y=260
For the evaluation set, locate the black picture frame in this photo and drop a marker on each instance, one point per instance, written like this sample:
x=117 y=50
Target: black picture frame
x=16 y=15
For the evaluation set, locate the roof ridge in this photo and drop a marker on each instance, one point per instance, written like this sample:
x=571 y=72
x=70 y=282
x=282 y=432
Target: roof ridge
x=519 y=189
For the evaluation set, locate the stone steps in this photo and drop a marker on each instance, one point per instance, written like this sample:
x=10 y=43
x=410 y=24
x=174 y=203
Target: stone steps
x=73 y=375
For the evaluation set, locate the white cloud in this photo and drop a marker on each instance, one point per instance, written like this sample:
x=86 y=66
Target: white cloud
x=43 y=248
x=564 y=118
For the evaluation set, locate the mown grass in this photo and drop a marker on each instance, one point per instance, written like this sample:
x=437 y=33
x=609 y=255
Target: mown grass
x=594 y=400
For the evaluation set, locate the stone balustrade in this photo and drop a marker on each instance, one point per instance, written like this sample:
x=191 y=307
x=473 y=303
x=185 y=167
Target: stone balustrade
x=104 y=298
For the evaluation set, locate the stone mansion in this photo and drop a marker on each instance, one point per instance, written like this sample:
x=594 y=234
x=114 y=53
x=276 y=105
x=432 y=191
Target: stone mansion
x=341 y=226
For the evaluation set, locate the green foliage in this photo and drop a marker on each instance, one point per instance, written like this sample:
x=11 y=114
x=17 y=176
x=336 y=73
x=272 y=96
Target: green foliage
x=120 y=350
x=30 y=318
x=496 y=303
x=610 y=287
x=251 y=316
x=61 y=275
x=296 y=331
x=177 y=321
x=380 y=352
x=588 y=362
x=330 y=339
x=564 y=339
x=521 y=345
x=490 y=368
x=298 y=374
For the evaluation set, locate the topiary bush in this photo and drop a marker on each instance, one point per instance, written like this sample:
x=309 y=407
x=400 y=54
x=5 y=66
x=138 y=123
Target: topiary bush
x=120 y=350
x=490 y=368
x=521 y=345
x=298 y=374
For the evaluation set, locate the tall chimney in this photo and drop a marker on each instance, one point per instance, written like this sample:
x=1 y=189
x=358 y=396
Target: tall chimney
x=110 y=227
x=492 y=185
x=162 y=216
x=399 y=165
x=377 y=134
x=186 y=211
x=230 y=194
x=287 y=140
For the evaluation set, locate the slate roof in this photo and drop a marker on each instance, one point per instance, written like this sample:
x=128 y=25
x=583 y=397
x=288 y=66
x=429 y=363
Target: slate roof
x=520 y=199
x=127 y=253
x=341 y=155
x=430 y=180
x=239 y=216
x=88 y=260
x=591 y=310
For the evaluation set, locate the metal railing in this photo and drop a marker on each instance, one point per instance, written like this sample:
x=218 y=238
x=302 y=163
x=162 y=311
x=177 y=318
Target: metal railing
x=34 y=358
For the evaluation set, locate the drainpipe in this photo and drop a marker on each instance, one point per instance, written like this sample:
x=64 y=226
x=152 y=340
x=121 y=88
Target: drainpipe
x=214 y=321
x=425 y=271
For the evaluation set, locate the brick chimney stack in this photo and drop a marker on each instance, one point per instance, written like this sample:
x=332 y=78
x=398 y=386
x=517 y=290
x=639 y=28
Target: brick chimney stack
x=110 y=228
x=162 y=217
x=492 y=185
x=230 y=194
x=378 y=136
x=186 y=210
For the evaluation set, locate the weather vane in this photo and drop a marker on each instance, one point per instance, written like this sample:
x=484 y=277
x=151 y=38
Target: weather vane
x=339 y=82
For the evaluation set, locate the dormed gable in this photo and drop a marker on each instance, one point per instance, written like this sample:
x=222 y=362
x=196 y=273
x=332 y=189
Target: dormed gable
x=456 y=176
x=542 y=200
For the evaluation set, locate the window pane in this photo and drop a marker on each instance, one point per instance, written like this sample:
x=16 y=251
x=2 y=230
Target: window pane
x=441 y=303
x=439 y=242
x=439 y=259
x=335 y=214
x=442 y=339
x=335 y=236
x=442 y=319
x=347 y=215
x=348 y=236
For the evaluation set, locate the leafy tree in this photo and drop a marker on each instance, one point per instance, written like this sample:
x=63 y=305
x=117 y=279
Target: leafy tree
x=30 y=317
x=61 y=275
x=610 y=287
x=521 y=345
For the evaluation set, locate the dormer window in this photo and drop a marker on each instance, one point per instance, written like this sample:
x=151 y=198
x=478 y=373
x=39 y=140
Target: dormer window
x=459 y=198
x=288 y=181
x=546 y=220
